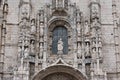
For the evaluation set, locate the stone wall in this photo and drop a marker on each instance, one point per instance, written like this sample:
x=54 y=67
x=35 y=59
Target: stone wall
x=107 y=28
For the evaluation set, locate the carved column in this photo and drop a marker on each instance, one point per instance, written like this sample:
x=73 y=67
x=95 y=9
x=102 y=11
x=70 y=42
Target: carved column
x=40 y=40
x=32 y=38
x=3 y=39
x=45 y=55
x=116 y=36
x=96 y=39
x=37 y=42
x=41 y=33
x=24 y=41
x=79 y=42
x=87 y=38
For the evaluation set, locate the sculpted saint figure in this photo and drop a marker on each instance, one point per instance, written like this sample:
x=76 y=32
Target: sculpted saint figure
x=60 y=45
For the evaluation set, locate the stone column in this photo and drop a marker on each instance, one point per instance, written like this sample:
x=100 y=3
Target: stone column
x=96 y=39
x=116 y=36
x=45 y=55
x=3 y=39
x=37 y=43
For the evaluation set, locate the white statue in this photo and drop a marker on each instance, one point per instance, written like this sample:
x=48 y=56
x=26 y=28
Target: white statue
x=93 y=53
x=87 y=49
x=32 y=47
x=26 y=53
x=41 y=29
x=60 y=45
x=86 y=28
x=79 y=50
x=33 y=27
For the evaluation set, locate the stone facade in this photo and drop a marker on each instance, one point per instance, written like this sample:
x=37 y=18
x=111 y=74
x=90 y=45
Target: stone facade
x=88 y=29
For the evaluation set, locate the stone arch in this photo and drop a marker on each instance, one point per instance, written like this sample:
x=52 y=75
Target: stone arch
x=59 y=69
x=59 y=22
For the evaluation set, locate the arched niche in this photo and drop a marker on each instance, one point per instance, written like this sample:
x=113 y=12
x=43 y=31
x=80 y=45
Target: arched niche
x=55 y=24
x=59 y=32
x=59 y=72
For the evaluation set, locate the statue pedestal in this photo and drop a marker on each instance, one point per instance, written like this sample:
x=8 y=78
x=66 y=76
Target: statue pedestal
x=60 y=52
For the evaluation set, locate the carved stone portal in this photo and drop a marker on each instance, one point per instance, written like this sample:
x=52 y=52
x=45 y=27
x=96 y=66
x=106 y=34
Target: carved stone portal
x=59 y=72
x=59 y=76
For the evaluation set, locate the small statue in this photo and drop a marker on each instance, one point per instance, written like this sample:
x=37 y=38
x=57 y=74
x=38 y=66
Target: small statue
x=87 y=50
x=79 y=51
x=25 y=11
x=95 y=11
x=33 y=27
x=93 y=54
x=32 y=47
x=60 y=45
x=86 y=28
x=26 y=53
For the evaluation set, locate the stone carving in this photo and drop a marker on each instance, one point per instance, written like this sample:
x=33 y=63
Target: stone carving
x=95 y=11
x=60 y=45
x=78 y=28
x=87 y=29
x=20 y=52
x=41 y=50
x=78 y=15
x=93 y=54
x=26 y=53
x=25 y=11
x=32 y=46
x=66 y=4
x=87 y=49
x=79 y=51
x=59 y=76
x=41 y=29
x=41 y=15
x=33 y=27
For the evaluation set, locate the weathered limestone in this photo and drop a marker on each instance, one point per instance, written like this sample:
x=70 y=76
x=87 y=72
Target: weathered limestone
x=27 y=35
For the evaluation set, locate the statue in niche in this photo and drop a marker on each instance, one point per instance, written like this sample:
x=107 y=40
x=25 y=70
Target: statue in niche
x=41 y=50
x=60 y=45
x=26 y=52
x=87 y=49
x=95 y=11
x=41 y=29
x=25 y=11
x=20 y=52
x=79 y=51
x=32 y=47
x=41 y=15
x=86 y=28
x=26 y=42
x=33 y=27
x=94 y=53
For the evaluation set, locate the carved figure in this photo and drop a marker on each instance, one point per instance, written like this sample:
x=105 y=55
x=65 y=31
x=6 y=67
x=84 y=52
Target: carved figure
x=33 y=27
x=86 y=28
x=60 y=45
x=32 y=47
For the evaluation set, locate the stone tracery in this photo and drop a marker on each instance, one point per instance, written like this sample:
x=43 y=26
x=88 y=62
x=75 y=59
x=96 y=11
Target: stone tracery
x=80 y=41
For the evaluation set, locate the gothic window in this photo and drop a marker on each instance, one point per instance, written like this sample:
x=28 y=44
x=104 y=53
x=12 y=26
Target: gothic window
x=60 y=32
